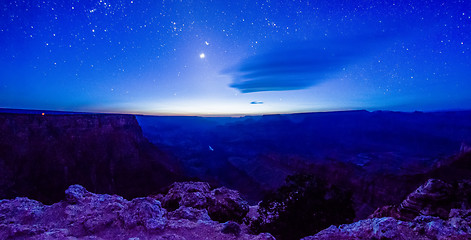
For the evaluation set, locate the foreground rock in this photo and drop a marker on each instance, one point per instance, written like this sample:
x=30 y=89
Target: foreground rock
x=86 y=215
x=434 y=198
x=222 y=204
x=436 y=210
x=421 y=228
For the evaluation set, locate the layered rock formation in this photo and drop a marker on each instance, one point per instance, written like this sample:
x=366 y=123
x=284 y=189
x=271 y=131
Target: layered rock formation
x=40 y=156
x=434 y=198
x=86 y=215
x=436 y=210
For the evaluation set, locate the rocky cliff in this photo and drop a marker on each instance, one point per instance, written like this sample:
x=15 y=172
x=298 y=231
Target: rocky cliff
x=41 y=155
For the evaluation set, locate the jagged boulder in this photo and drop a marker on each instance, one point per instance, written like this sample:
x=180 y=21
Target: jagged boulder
x=222 y=204
x=188 y=194
x=145 y=212
x=434 y=198
x=226 y=204
x=436 y=210
x=77 y=194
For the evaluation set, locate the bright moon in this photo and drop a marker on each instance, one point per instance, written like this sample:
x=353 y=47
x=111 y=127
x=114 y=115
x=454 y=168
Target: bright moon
x=202 y=56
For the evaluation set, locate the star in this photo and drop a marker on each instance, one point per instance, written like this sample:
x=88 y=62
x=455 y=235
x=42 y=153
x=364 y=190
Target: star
x=267 y=49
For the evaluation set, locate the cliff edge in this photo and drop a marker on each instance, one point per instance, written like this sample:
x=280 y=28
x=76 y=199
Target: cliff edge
x=41 y=155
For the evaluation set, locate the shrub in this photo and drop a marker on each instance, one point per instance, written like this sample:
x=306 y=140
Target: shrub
x=302 y=207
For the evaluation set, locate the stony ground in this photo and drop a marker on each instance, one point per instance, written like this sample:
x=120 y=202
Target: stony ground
x=85 y=215
x=192 y=210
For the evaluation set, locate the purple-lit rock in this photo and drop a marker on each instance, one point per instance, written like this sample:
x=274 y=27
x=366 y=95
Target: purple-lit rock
x=188 y=194
x=422 y=227
x=222 y=204
x=430 y=212
x=189 y=213
x=433 y=198
x=87 y=215
x=226 y=204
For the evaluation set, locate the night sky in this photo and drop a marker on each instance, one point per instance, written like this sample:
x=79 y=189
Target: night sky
x=235 y=57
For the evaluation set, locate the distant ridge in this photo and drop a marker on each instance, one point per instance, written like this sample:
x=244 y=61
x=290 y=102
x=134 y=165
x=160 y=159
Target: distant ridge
x=54 y=112
x=32 y=111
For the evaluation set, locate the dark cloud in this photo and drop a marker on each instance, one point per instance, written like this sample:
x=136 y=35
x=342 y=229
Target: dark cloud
x=300 y=65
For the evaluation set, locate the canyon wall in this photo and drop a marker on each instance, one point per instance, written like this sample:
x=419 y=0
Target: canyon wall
x=41 y=155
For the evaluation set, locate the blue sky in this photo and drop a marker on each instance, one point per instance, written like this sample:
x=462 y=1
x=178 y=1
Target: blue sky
x=219 y=57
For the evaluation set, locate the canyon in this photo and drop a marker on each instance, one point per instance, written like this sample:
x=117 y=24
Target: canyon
x=381 y=158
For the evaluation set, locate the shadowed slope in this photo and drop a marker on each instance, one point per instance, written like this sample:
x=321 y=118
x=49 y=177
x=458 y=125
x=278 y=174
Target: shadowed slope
x=41 y=155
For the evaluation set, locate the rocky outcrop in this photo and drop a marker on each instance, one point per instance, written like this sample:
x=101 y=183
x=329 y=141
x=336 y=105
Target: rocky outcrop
x=188 y=194
x=434 y=198
x=227 y=205
x=87 y=215
x=430 y=199
x=222 y=204
x=457 y=226
x=82 y=213
x=40 y=156
x=436 y=210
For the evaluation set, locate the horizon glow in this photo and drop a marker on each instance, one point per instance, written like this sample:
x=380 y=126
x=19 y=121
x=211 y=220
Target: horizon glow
x=235 y=58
